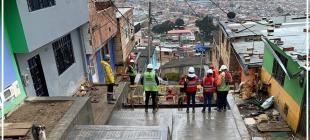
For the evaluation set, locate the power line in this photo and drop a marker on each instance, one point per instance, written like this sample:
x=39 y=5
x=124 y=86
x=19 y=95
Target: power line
x=232 y=21
x=122 y=14
x=218 y=6
x=191 y=8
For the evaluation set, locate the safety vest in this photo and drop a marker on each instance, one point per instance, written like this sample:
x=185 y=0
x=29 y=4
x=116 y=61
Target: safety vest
x=208 y=84
x=132 y=71
x=224 y=86
x=149 y=81
x=191 y=85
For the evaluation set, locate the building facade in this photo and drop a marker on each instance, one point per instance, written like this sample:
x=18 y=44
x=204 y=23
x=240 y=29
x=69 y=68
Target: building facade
x=98 y=38
x=284 y=66
x=124 y=40
x=49 y=54
x=13 y=92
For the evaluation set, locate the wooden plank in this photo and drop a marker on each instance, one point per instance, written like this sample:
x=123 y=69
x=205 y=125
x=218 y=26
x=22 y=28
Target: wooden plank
x=17 y=125
x=15 y=132
x=273 y=127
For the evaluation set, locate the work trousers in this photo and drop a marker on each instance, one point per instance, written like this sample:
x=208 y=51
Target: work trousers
x=207 y=97
x=132 y=80
x=222 y=99
x=147 y=98
x=110 y=92
x=191 y=96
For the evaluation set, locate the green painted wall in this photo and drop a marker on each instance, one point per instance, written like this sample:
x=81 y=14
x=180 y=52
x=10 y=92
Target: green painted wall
x=292 y=86
x=13 y=25
x=268 y=61
x=22 y=96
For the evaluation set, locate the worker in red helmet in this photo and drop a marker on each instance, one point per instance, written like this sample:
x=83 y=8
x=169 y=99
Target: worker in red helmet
x=132 y=72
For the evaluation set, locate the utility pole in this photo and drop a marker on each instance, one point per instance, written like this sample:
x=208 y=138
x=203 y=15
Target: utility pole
x=149 y=32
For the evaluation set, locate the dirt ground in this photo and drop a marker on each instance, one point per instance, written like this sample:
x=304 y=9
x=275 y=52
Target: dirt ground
x=46 y=113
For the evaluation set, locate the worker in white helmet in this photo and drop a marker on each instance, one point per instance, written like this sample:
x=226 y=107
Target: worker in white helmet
x=223 y=87
x=150 y=82
x=190 y=86
x=132 y=71
x=208 y=90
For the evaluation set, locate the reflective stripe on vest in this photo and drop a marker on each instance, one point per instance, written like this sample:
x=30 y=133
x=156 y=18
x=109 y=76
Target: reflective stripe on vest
x=207 y=86
x=132 y=71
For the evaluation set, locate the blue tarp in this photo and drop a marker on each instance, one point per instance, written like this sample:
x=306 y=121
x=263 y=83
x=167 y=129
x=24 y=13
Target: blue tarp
x=200 y=48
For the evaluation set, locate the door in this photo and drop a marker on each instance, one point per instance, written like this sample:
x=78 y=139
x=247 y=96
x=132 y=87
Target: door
x=37 y=75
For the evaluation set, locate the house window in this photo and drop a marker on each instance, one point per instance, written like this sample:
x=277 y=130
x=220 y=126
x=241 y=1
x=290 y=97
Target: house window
x=277 y=71
x=34 y=5
x=64 y=54
x=166 y=53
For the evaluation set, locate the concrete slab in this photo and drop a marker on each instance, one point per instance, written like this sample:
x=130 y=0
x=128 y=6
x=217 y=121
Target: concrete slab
x=183 y=126
x=102 y=110
x=108 y=132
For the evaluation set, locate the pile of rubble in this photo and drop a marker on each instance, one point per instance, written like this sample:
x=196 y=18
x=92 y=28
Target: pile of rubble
x=262 y=120
x=85 y=89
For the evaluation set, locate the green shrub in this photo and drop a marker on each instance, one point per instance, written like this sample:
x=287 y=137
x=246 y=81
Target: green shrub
x=172 y=76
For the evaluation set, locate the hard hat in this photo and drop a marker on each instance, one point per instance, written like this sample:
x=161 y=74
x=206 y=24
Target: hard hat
x=131 y=61
x=191 y=70
x=209 y=71
x=223 y=67
x=107 y=57
x=149 y=66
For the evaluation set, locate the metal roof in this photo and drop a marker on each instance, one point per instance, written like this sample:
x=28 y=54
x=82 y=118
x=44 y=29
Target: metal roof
x=290 y=31
x=123 y=11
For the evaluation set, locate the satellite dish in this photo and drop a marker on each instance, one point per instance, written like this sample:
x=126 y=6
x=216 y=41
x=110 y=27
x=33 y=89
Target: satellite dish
x=231 y=15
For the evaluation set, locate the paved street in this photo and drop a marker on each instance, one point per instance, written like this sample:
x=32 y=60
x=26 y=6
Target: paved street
x=198 y=126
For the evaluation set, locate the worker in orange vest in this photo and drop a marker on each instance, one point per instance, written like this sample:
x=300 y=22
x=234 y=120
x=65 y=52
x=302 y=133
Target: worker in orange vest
x=190 y=86
x=208 y=90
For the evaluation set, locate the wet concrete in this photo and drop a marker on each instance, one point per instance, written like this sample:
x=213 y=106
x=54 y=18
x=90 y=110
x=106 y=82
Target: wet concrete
x=183 y=126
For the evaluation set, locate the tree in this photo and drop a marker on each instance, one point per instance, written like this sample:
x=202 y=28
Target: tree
x=206 y=27
x=163 y=28
x=179 y=22
x=280 y=10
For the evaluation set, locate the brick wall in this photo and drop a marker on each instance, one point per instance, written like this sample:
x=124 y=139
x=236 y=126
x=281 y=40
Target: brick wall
x=124 y=43
x=102 y=23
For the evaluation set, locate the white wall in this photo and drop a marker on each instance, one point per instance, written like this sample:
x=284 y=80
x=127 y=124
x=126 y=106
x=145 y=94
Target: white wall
x=57 y=85
x=45 y=25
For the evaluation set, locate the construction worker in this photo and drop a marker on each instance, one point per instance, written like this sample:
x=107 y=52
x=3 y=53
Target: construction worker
x=150 y=82
x=216 y=79
x=214 y=70
x=109 y=78
x=208 y=89
x=190 y=86
x=223 y=87
x=132 y=71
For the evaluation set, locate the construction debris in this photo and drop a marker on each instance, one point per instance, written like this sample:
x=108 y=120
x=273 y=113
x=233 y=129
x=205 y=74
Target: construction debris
x=273 y=127
x=275 y=112
x=249 y=121
x=15 y=130
x=268 y=103
x=246 y=89
x=262 y=118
